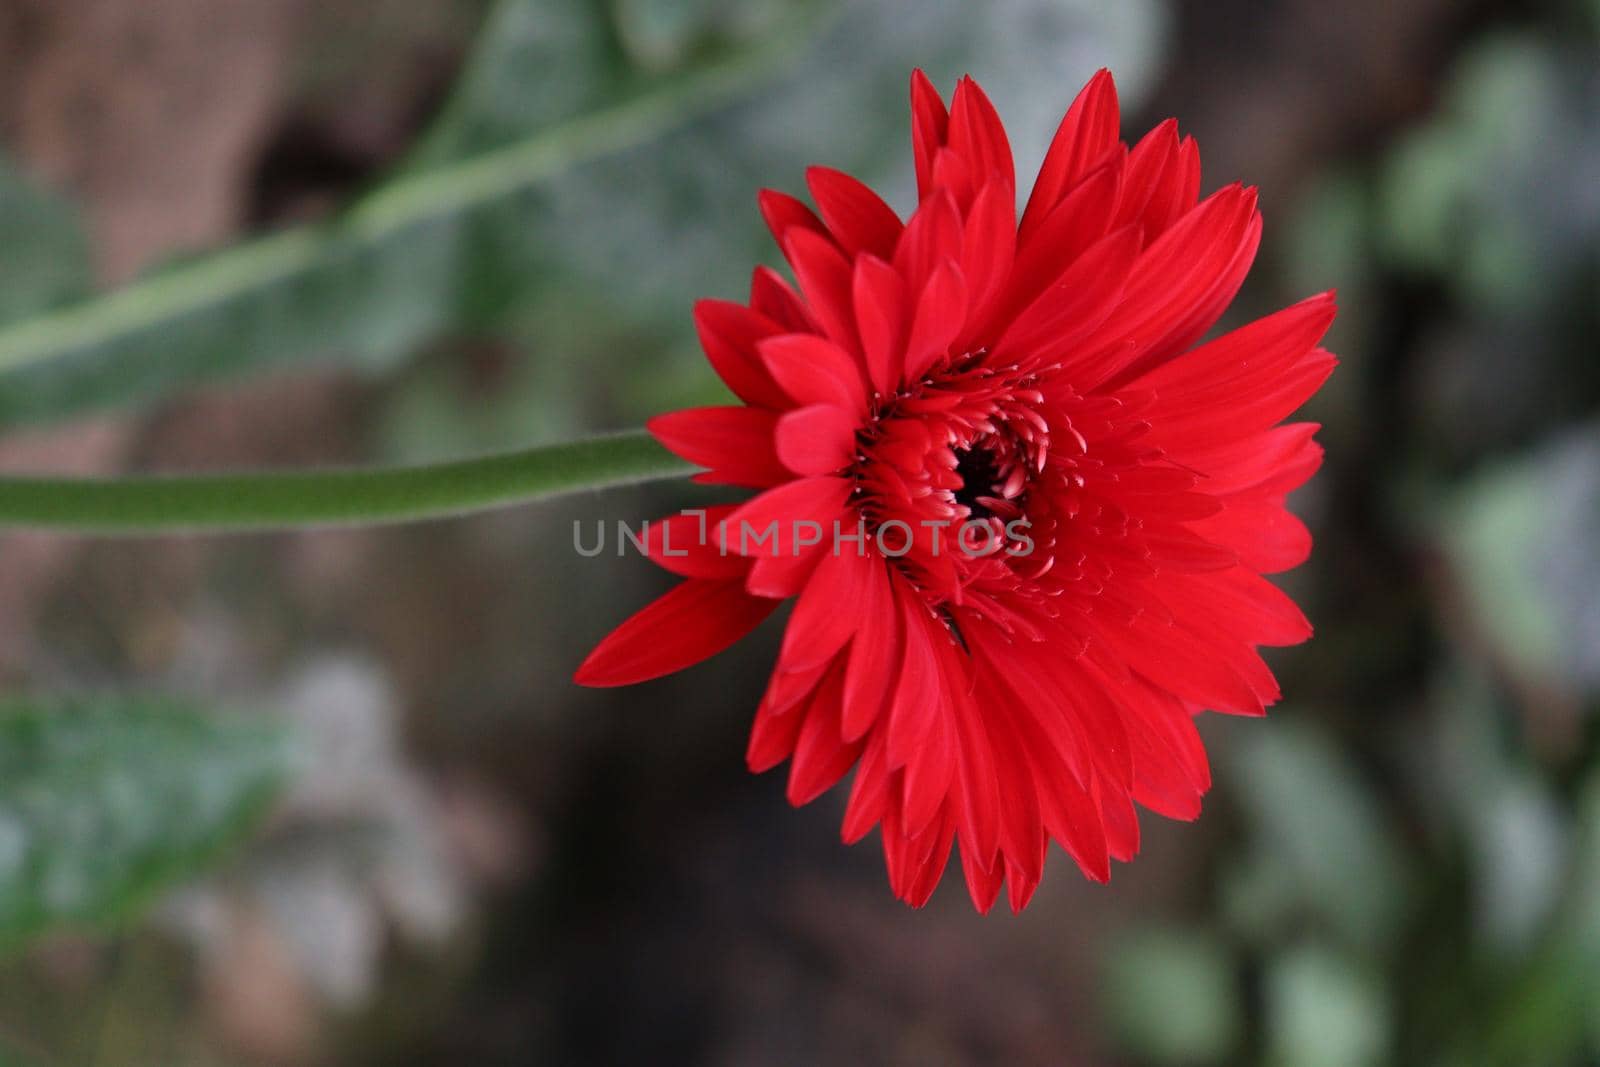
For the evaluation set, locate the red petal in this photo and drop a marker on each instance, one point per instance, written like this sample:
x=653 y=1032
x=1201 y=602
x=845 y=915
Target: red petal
x=826 y=616
x=820 y=439
x=874 y=655
x=879 y=298
x=1267 y=538
x=931 y=867
x=782 y=522
x=987 y=248
x=773 y=297
x=783 y=213
x=955 y=177
x=824 y=276
x=978 y=136
x=932 y=236
x=1256 y=610
x=869 y=793
x=1022 y=837
x=1189 y=273
x=1250 y=461
x=1244 y=381
x=1121 y=822
x=786 y=690
x=858 y=218
x=1088 y=130
x=914 y=707
x=941 y=313
x=781 y=577
x=820 y=757
x=686 y=544
x=694 y=621
x=1075 y=304
x=983 y=883
x=927 y=776
x=814 y=371
x=1175 y=191
x=1075 y=224
x=1156 y=152
x=772 y=737
x=929 y=124
x=728 y=334
x=735 y=443
x=1173 y=659
x=977 y=785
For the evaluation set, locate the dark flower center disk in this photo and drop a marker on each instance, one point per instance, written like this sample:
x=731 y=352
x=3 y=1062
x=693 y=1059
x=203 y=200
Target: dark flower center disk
x=979 y=471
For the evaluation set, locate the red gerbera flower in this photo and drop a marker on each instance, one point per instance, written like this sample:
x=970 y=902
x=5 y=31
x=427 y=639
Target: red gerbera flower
x=1024 y=517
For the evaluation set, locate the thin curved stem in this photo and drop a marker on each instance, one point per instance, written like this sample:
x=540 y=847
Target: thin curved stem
x=268 y=500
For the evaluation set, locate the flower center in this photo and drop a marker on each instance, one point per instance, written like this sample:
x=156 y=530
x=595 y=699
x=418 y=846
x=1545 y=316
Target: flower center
x=978 y=471
x=949 y=478
x=994 y=478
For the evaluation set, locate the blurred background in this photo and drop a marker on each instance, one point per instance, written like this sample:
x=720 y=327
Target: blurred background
x=386 y=230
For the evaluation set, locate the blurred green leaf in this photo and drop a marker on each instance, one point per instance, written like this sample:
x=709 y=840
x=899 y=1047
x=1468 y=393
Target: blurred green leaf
x=1477 y=194
x=1548 y=1011
x=1522 y=855
x=1524 y=537
x=1473 y=785
x=46 y=259
x=535 y=65
x=1315 y=819
x=1579 y=924
x=104 y=803
x=1169 y=997
x=440 y=247
x=1323 y=1011
x=1327 y=241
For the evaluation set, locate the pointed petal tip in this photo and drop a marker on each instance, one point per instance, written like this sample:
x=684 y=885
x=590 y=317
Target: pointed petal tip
x=1019 y=892
x=1101 y=88
x=588 y=677
x=593 y=674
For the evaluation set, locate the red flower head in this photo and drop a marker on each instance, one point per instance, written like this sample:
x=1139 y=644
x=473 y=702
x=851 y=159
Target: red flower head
x=1025 y=518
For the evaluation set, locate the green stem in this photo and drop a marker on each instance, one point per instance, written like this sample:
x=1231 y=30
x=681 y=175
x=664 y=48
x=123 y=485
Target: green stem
x=197 y=503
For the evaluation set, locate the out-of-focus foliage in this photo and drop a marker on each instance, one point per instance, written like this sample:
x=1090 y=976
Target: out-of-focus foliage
x=547 y=176
x=106 y=802
x=398 y=267
x=1322 y=1010
x=1332 y=864
x=1478 y=197
x=46 y=261
x=1185 y=980
x=1517 y=533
